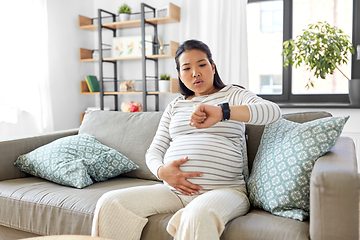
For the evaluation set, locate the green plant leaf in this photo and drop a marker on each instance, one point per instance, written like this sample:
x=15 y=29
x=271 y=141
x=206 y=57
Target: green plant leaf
x=125 y=9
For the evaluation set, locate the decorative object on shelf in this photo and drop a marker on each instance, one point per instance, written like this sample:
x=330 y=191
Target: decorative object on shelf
x=124 y=13
x=131 y=46
x=164 y=83
x=92 y=83
x=162 y=12
x=131 y=107
x=322 y=48
x=161 y=47
x=95 y=54
x=127 y=86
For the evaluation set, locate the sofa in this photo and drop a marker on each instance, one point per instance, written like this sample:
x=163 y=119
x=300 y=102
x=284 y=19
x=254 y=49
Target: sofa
x=31 y=206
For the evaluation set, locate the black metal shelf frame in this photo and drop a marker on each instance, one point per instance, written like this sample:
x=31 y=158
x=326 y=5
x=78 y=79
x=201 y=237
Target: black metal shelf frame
x=101 y=62
x=144 y=58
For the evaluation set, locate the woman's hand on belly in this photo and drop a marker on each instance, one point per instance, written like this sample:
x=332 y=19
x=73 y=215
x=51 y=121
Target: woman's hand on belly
x=176 y=178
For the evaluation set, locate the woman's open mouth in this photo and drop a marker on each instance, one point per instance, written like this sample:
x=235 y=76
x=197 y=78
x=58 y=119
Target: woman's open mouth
x=198 y=83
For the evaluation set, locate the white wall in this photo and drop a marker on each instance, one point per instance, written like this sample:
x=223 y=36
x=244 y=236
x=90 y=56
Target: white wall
x=65 y=69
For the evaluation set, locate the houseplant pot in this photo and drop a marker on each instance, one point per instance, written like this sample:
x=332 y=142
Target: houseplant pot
x=124 y=13
x=354 y=92
x=164 y=83
x=124 y=17
x=322 y=48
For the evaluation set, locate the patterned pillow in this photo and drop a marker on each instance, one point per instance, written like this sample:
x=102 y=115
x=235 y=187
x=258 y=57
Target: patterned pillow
x=280 y=178
x=73 y=160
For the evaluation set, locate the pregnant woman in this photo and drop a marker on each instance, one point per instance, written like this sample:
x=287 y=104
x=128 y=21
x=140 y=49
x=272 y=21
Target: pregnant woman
x=197 y=152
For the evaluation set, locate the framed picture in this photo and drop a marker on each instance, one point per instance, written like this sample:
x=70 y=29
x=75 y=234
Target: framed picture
x=162 y=12
x=131 y=46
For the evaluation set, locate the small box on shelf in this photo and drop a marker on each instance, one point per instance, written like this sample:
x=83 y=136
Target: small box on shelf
x=170 y=51
x=86 y=23
x=174 y=85
x=173 y=48
x=86 y=55
x=84 y=89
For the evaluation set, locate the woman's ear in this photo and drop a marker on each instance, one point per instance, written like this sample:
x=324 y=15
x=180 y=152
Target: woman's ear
x=213 y=67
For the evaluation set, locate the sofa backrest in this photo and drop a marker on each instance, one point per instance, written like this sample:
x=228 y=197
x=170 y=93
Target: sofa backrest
x=129 y=133
x=132 y=133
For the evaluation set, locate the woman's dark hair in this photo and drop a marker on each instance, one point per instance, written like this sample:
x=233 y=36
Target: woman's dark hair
x=190 y=45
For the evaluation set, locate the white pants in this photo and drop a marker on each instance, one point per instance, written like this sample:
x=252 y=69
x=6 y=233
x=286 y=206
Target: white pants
x=122 y=214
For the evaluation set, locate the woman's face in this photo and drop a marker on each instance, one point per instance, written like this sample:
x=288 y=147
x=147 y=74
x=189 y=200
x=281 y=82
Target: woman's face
x=196 y=72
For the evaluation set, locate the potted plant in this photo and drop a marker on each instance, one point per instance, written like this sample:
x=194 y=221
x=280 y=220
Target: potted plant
x=164 y=83
x=322 y=48
x=124 y=13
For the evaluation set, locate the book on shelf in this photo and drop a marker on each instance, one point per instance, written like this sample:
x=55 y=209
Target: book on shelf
x=92 y=83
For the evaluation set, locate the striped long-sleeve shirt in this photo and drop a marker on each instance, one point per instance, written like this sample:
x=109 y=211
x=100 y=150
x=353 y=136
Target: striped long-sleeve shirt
x=216 y=152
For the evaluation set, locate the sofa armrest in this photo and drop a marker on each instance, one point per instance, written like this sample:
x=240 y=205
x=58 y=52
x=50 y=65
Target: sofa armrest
x=334 y=194
x=10 y=150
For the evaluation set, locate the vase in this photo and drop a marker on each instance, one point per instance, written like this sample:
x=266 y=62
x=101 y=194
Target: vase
x=354 y=92
x=164 y=86
x=124 y=17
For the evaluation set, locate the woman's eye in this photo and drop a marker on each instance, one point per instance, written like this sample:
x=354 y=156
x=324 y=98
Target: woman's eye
x=185 y=69
x=202 y=65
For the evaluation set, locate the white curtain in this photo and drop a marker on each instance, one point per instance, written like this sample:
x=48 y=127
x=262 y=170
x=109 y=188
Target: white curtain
x=24 y=80
x=222 y=26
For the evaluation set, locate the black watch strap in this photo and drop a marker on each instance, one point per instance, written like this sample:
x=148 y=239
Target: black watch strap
x=225 y=110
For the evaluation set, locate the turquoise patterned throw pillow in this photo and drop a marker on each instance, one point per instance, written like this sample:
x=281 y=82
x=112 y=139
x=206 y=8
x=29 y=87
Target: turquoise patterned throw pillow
x=75 y=161
x=280 y=178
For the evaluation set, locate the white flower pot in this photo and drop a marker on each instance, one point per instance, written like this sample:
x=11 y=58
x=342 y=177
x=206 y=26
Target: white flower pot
x=164 y=85
x=124 y=17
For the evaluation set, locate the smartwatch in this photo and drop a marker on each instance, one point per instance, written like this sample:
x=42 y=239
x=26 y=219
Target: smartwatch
x=225 y=110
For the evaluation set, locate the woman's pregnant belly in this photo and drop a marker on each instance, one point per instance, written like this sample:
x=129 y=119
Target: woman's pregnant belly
x=217 y=158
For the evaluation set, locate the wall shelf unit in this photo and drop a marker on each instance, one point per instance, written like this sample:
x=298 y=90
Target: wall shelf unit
x=174 y=88
x=86 y=55
x=174 y=17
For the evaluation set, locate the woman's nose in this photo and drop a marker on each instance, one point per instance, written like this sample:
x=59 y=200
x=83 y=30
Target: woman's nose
x=196 y=73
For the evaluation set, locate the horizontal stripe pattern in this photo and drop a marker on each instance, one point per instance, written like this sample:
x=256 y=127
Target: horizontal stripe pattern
x=216 y=151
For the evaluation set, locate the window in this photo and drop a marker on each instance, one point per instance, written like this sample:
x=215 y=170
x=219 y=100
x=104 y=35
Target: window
x=271 y=16
x=270 y=84
x=272 y=22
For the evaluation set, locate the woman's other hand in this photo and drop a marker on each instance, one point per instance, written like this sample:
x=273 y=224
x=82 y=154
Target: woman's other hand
x=206 y=116
x=176 y=178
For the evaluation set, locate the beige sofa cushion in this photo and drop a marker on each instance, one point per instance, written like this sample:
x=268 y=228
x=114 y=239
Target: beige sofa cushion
x=45 y=208
x=129 y=133
x=255 y=225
